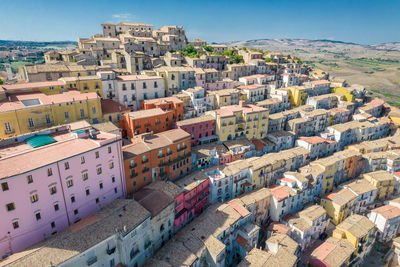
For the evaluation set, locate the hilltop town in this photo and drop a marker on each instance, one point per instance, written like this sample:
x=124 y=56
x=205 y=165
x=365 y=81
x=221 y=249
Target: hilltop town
x=142 y=148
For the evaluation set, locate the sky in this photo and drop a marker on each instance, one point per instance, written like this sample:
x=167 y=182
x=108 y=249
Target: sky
x=358 y=21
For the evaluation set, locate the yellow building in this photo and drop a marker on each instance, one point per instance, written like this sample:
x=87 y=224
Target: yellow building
x=241 y=120
x=30 y=112
x=225 y=97
x=339 y=204
x=328 y=167
x=84 y=84
x=382 y=180
x=358 y=230
x=297 y=95
x=346 y=91
x=48 y=88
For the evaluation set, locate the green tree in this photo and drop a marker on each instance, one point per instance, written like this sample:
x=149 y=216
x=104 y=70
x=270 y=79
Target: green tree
x=236 y=59
x=268 y=60
x=228 y=52
x=298 y=60
x=244 y=48
x=190 y=49
x=207 y=48
x=1 y=81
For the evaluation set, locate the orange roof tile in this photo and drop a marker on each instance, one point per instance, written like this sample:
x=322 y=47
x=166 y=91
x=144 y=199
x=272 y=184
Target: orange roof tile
x=111 y=106
x=319 y=82
x=388 y=212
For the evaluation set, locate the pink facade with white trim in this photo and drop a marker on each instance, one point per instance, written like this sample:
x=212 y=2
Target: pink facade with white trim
x=54 y=192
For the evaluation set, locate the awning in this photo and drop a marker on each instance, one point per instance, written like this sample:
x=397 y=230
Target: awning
x=40 y=140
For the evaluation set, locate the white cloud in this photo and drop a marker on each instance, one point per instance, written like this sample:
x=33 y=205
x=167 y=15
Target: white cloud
x=122 y=16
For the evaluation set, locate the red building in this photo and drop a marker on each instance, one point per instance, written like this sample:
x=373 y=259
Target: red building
x=201 y=129
x=194 y=199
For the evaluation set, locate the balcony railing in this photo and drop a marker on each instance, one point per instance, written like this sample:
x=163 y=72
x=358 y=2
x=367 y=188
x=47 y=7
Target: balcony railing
x=111 y=250
x=10 y=131
x=92 y=260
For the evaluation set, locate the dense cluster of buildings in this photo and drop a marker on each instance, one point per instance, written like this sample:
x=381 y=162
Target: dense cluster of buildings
x=130 y=151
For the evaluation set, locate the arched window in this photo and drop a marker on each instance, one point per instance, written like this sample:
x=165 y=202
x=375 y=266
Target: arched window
x=132 y=163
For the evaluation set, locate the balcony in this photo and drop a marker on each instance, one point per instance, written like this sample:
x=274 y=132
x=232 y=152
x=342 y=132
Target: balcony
x=133 y=175
x=10 y=131
x=92 y=260
x=145 y=169
x=111 y=250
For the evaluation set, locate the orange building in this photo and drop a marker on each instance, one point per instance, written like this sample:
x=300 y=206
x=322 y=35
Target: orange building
x=151 y=157
x=156 y=115
x=145 y=121
x=353 y=164
x=168 y=104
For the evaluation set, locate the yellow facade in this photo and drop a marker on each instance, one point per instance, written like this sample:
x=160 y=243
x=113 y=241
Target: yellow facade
x=84 y=84
x=357 y=230
x=250 y=125
x=348 y=94
x=32 y=118
x=297 y=96
x=383 y=181
x=47 y=88
x=338 y=205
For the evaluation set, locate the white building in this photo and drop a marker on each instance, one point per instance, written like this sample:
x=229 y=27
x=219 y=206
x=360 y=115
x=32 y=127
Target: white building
x=319 y=147
x=387 y=221
x=284 y=200
x=197 y=97
x=254 y=92
x=130 y=90
x=366 y=195
x=307 y=225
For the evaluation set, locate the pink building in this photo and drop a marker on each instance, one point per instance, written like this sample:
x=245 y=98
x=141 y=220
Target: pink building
x=201 y=129
x=195 y=196
x=50 y=181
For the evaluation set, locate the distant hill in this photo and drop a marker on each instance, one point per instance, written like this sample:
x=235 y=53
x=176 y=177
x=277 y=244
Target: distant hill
x=376 y=66
x=287 y=45
x=39 y=45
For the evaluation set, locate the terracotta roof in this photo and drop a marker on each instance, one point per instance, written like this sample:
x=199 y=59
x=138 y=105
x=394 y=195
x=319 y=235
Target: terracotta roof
x=240 y=240
x=17 y=86
x=126 y=78
x=17 y=101
x=111 y=106
x=319 y=82
x=388 y=211
x=315 y=139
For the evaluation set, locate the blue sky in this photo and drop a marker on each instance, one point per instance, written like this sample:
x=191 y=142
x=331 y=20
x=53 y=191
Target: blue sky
x=359 y=21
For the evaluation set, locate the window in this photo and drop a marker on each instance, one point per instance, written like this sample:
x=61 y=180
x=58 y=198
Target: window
x=97 y=200
x=101 y=185
x=4 y=186
x=31 y=123
x=34 y=198
x=144 y=85
x=111 y=165
x=94 y=110
x=97 y=154
x=99 y=170
x=75 y=211
x=48 y=121
x=87 y=191
x=38 y=217
x=53 y=190
x=53 y=224
x=15 y=225
x=113 y=179
x=56 y=207
x=70 y=183
x=124 y=87
x=132 y=86
x=115 y=190
x=82 y=113
x=66 y=114
x=49 y=172
x=82 y=160
x=85 y=176
x=8 y=127
x=155 y=85
x=10 y=206
x=66 y=165
x=109 y=149
x=72 y=199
